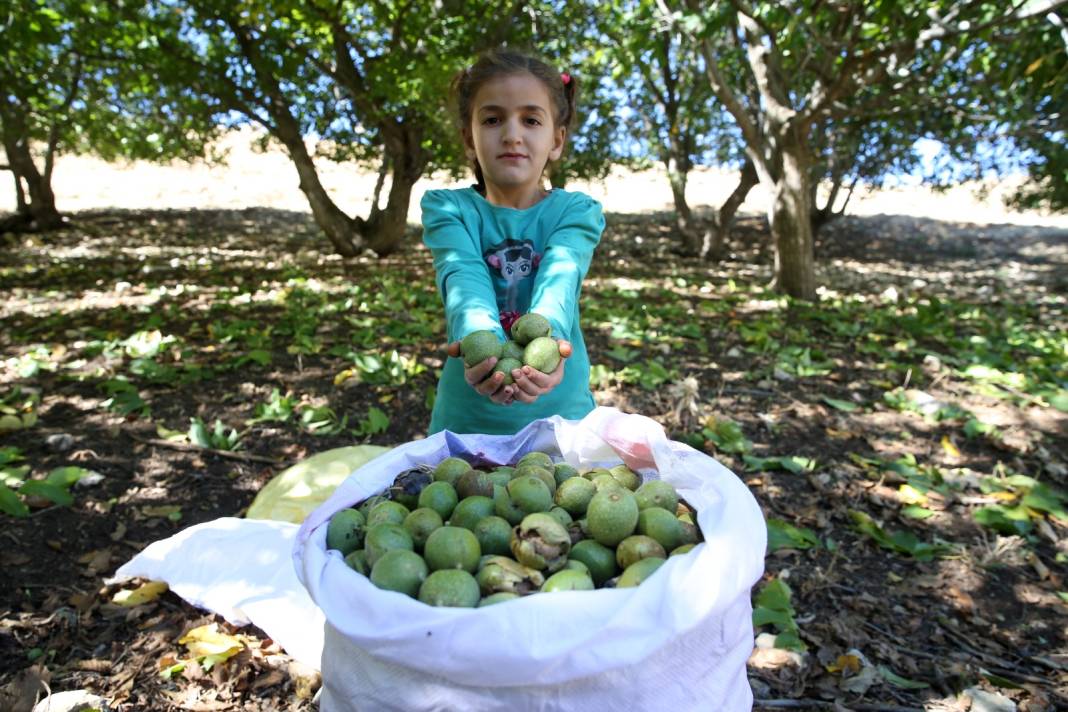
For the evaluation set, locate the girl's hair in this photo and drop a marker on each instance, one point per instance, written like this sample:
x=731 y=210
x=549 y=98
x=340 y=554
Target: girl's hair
x=504 y=62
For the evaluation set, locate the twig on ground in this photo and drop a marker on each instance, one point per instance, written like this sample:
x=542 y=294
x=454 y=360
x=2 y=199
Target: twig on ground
x=823 y=704
x=999 y=665
x=229 y=454
x=896 y=642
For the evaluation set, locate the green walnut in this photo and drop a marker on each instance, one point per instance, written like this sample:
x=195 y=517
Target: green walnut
x=657 y=493
x=626 y=477
x=663 y=526
x=543 y=353
x=637 y=572
x=506 y=366
x=612 y=516
x=493 y=534
x=420 y=523
x=478 y=346
x=496 y=598
x=386 y=537
x=529 y=327
x=598 y=558
x=500 y=574
x=536 y=458
x=452 y=548
x=637 y=547
x=512 y=350
x=541 y=543
x=388 y=511
x=568 y=580
x=470 y=511
x=450 y=469
x=345 y=531
x=450 y=587
x=401 y=571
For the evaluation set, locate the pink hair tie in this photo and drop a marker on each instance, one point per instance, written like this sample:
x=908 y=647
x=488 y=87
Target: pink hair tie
x=566 y=78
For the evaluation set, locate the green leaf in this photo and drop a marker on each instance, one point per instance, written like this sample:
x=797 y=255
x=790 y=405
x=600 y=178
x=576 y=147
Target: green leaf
x=1007 y=520
x=11 y=504
x=49 y=491
x=915 y=511
x=797 y=465
x=846 y=406
x=198 y=433
x=9 y=454
x=903 y=542
x=790 y=641
x=1046 y=499
x=14 y=476
x=999 y=681
x=66 y=476
x=775 y=595
x=766 y=616
x=783 y=535
x=897 y=681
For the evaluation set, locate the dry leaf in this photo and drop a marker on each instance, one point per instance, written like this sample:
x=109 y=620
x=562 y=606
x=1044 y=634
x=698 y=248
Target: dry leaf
x=845 y=663
x=208 y=640
x=119 y=533
x=145 y=593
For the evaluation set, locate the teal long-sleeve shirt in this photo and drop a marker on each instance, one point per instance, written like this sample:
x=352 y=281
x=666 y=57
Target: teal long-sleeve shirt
x=490 y=259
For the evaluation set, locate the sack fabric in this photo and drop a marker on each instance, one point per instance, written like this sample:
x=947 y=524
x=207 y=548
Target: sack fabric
x=679 y=641
x=294 y=493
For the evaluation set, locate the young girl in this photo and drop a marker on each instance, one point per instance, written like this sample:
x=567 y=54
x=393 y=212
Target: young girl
x=508 y=246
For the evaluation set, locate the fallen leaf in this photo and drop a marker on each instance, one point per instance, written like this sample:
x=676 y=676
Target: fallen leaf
x=9 y=559
x=860 y=682
x=145 y=593
x=845 y=663
x=949 y=448
x=961 y=600
x=170 y=511
x=771 y=658
x=97 y=561
x=207 y=640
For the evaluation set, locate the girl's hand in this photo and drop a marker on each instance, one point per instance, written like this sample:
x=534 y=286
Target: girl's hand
x=483 y=380
x=530 y=383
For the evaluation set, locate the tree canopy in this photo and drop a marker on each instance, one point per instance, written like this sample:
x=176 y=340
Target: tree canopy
x=794 y=93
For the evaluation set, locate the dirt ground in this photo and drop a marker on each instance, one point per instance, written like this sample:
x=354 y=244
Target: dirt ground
x=938 y=621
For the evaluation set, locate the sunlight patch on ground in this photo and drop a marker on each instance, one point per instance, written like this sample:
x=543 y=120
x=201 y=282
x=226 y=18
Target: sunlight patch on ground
x=254 y=178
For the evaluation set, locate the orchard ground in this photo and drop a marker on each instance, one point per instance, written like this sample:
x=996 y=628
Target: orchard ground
x=906 y=437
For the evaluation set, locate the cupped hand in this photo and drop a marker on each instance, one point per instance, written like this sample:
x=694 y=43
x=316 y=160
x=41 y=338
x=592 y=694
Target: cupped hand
x=482 y=378
x=530 y=383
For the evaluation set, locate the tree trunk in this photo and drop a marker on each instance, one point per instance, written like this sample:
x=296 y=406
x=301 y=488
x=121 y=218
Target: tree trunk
x=677 y=175
x=821 y=215
x=384 y=229
x=791 y=223
x=338 y=227
x=39 y=211
x=715 y=240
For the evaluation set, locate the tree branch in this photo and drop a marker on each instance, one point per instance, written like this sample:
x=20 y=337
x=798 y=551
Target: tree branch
x=763 y=63
x=750 y=131
x=53 y=131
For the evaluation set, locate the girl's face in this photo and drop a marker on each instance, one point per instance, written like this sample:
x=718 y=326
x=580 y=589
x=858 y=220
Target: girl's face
x=513 y=137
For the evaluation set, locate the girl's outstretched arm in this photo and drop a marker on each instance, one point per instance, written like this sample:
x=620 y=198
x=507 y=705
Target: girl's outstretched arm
x=461 y=273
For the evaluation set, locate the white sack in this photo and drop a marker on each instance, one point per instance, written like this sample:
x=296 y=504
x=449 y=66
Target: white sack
x=690 y=622
x=241 y=569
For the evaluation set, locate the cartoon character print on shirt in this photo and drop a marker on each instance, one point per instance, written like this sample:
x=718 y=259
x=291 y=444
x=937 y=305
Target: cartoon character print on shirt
x=516 y=260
